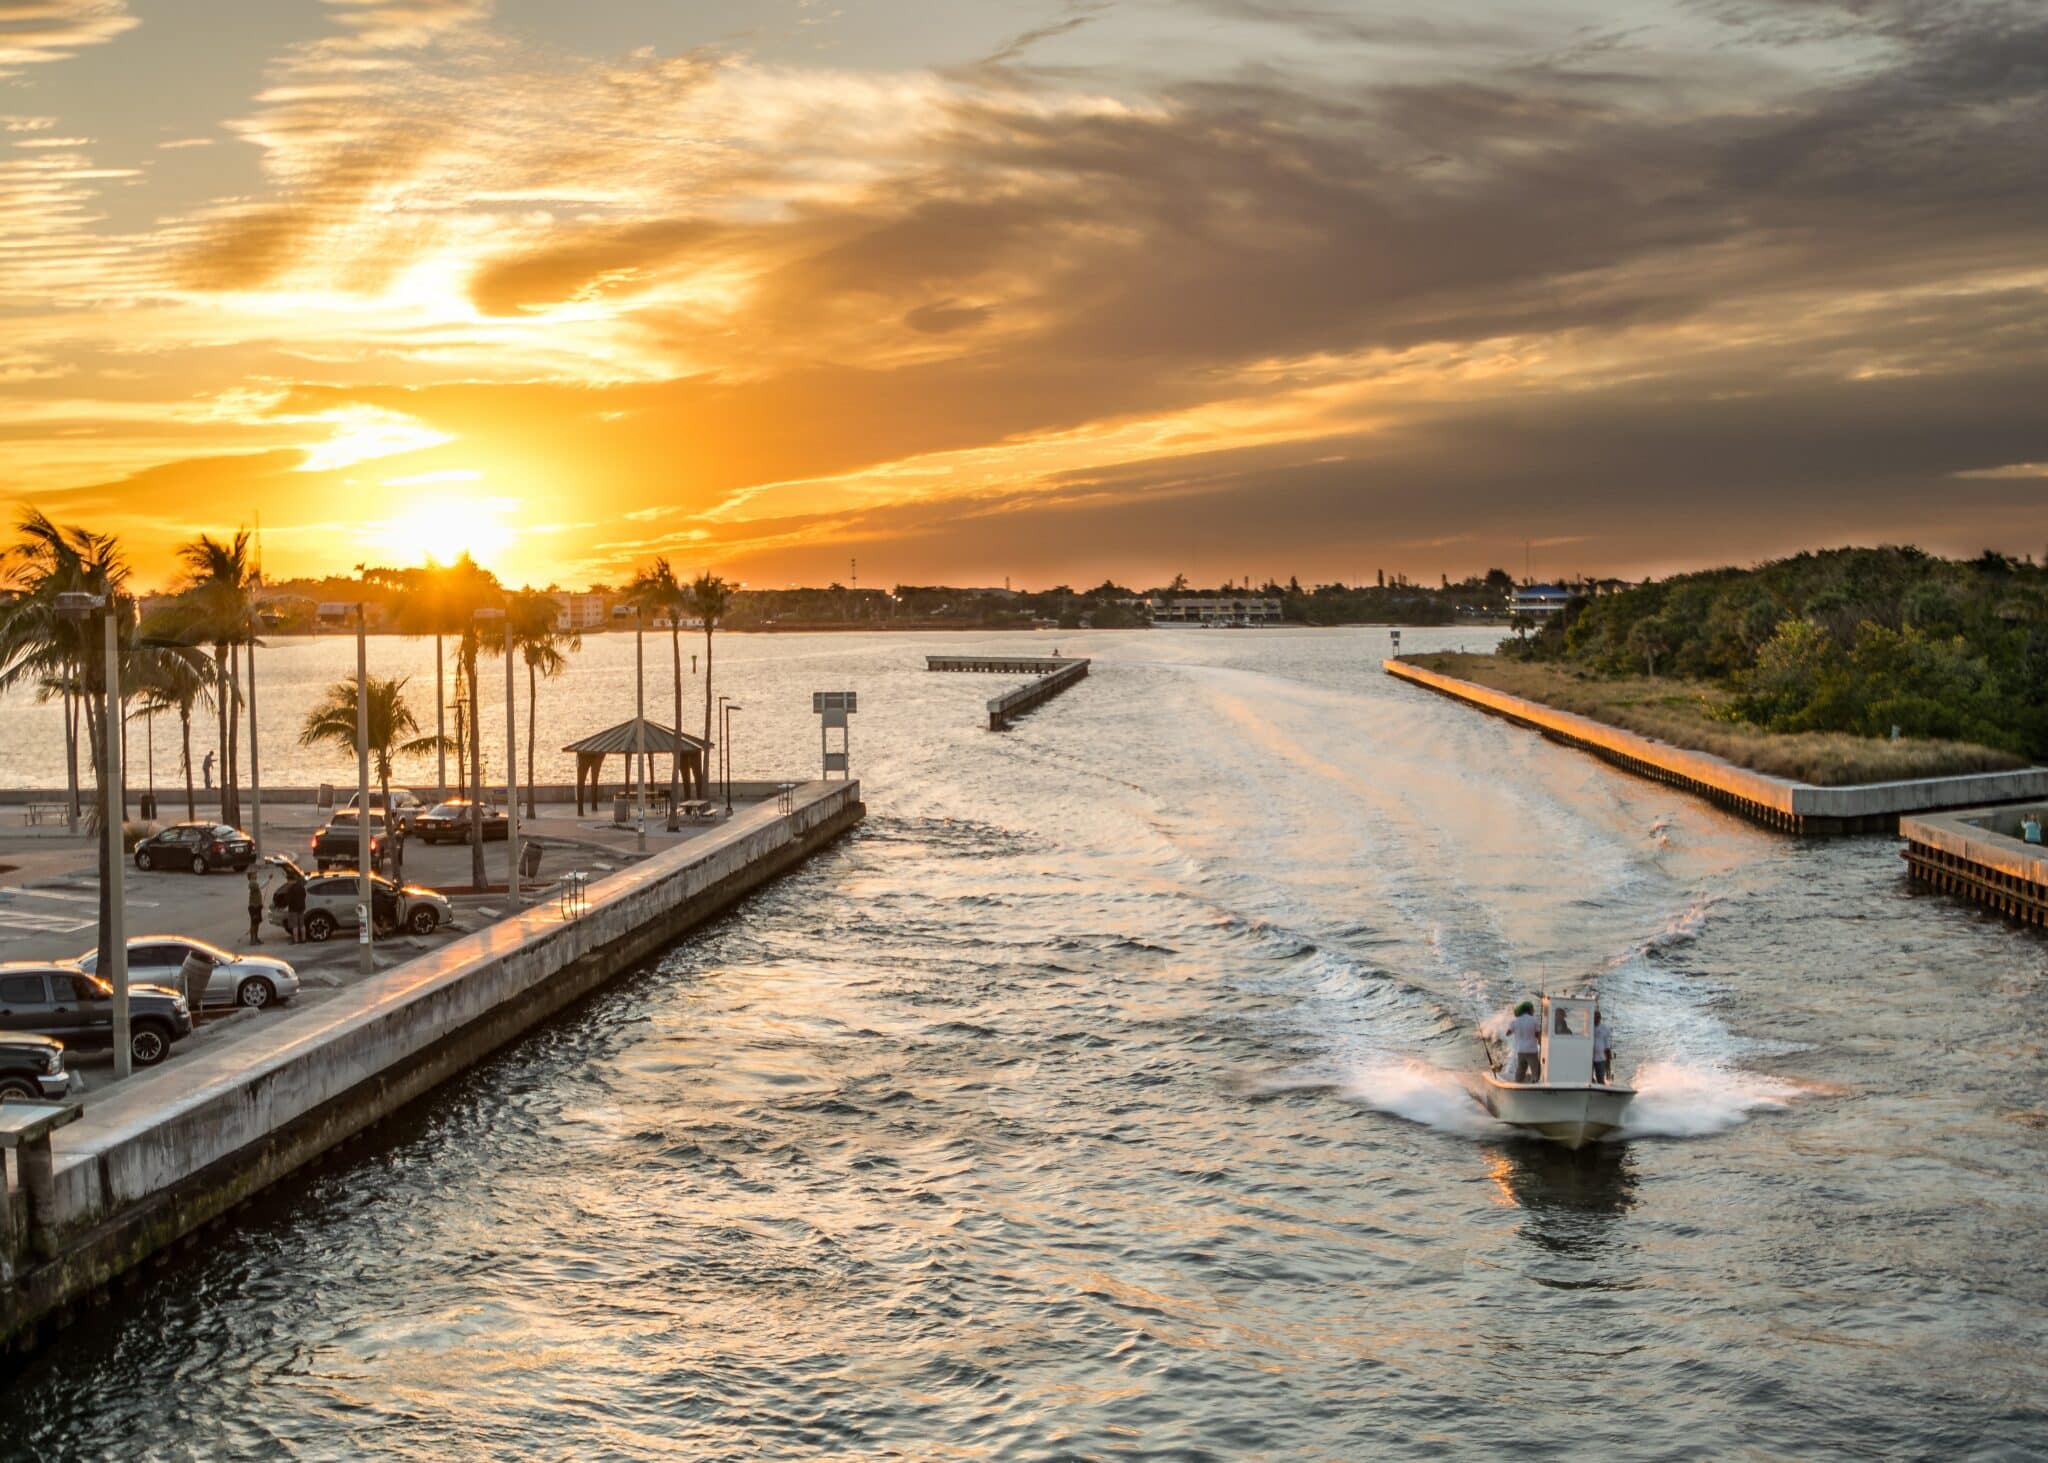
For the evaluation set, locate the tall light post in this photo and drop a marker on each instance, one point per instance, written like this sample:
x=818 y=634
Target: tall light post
x=491 y=614
x=81 y=608
x=440 y=726
x=255 y=760
x=366 y=908
x=726 y=707
x=640 y=722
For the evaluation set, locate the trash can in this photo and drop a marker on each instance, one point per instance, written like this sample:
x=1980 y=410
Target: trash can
x=622 y=810
x=529 y=860
x=148 y=807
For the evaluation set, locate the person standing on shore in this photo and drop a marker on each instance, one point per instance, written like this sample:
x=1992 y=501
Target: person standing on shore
x=255 y=908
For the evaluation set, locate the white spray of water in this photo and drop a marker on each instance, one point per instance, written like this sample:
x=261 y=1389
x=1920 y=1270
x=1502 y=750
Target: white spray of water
x=1678 y=1101
x=1423 y=1094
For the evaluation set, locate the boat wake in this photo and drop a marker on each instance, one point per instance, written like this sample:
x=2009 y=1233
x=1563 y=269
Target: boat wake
x=1672 y=1100
x=1677 y=1101
x=1424 y=1094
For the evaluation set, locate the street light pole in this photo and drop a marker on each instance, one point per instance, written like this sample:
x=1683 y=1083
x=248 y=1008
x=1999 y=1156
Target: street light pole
x=440 y=726
x=640 y=721
x=255 y=761
x=504 y=619
x=725 y=712
x=511 y=774
x=366 y=908
x=114 y=949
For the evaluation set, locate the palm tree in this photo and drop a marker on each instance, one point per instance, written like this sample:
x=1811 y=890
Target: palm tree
x=218 y=608
x=391 y=722
x=656 y=590
x=531 y=624
x=40 y=643
x=178 y=681
x=709 y=598
x=451 y=595
x=41 y=646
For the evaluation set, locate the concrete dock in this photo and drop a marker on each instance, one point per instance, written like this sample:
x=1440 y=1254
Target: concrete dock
x=1980 y=855
x=170 y=1151
x=1053 y=674
x=1775 y=802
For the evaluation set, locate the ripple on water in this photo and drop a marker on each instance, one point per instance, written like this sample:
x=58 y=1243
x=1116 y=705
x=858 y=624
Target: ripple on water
x=1109 y=1094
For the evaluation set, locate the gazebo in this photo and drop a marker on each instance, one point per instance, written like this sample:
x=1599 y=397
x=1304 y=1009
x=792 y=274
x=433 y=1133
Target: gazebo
x=624 y=740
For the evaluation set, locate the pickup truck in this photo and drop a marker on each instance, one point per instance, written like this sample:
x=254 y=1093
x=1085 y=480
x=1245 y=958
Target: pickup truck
x=339 y=844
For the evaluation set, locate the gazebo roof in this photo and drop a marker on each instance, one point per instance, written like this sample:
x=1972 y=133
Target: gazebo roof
x=624 y=739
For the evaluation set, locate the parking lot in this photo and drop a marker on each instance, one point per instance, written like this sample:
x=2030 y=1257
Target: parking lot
x=49 y=902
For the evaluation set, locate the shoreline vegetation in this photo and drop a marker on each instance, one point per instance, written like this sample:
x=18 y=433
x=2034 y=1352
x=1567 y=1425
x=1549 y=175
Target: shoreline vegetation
x=1698 y=716
x=1846 y=666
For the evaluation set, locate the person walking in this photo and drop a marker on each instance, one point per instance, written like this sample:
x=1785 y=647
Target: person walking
x=255 y=908
x=1525 y=1039
x=206 y=769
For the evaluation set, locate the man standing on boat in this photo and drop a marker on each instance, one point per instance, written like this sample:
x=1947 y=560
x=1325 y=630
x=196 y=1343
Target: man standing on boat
x=1600 y=1048
x=1525 y=1040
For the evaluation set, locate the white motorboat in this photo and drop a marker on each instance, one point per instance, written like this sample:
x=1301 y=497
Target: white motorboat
x=1564 y=1104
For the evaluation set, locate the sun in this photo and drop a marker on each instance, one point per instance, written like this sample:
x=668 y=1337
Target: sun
x=444 y=528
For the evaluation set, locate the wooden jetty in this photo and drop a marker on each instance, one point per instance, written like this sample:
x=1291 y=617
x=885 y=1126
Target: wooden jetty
x=1001 y=665
x=1052 y=673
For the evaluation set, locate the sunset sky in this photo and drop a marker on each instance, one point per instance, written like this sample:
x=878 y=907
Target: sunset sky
x=1051 y=289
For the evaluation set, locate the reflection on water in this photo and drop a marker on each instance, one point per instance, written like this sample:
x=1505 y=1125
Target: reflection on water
x=1108 y=1094
x=1570 y=1197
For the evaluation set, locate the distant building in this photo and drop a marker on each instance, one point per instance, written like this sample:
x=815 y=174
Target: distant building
x=1217 y=609
x=577 y=611
x=1538 y=602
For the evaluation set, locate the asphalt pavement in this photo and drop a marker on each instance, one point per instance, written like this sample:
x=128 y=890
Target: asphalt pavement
x=49 y=900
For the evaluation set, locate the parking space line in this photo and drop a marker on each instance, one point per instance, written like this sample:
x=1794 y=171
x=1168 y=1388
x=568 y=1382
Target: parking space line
x=28 y=922
x=69 y=898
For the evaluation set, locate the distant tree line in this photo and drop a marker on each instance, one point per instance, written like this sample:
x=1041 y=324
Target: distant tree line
x=1849 y=640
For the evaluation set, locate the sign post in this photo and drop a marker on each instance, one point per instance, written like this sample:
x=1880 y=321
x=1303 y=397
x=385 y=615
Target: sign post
x=832 y=708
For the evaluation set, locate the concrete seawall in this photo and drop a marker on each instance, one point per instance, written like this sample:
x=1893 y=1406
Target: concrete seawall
x=168 y=1153
x=1775 y=802
x=1981 y=855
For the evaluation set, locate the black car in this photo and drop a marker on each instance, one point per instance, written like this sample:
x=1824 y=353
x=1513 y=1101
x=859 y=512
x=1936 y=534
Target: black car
x=339 y=844
x=32 y=1068
x=449 y=823
x=56 y=998
x=199 y=847
x=406 y=806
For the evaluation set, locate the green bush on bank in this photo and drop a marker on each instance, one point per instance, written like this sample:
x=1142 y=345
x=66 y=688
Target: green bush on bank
x=1849 y=640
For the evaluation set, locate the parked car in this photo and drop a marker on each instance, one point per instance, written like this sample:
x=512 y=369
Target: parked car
x=331 y=906
x=196 y=846
x=449 y=822
x=254 y=981
x=56 y=998
x=32 y=1067
x=406 y=806
x=339 y=844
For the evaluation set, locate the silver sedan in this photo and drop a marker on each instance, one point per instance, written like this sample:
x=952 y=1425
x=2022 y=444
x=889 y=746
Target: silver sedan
x=255 y=981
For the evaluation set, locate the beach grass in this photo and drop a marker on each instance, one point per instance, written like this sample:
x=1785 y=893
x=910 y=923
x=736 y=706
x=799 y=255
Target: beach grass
x=1696 y=715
